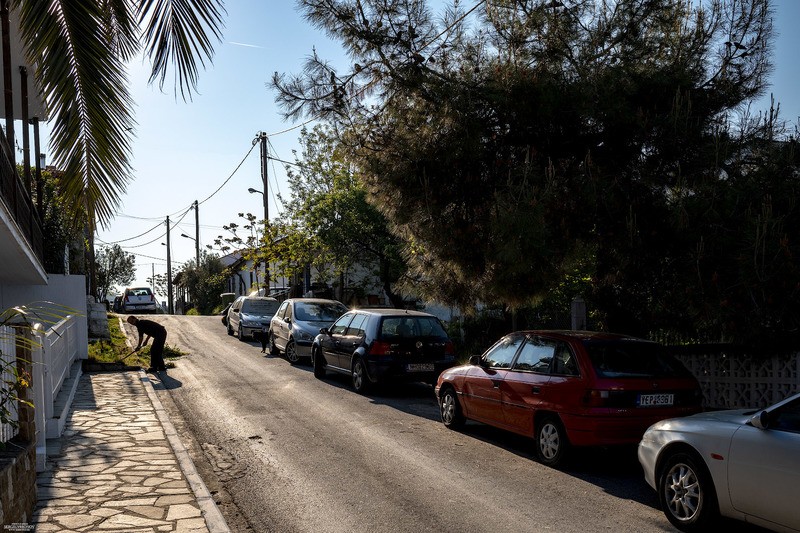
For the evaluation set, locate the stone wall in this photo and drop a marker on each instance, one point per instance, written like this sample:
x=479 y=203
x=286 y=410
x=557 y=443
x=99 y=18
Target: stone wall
x=17 y=482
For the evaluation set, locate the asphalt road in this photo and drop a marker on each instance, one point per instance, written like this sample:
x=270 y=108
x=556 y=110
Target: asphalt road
x=284 y=452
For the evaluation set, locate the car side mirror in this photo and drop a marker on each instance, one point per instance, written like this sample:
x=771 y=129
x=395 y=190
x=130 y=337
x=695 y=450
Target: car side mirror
x=324 y=331
x=476 y=360
x=760 y=420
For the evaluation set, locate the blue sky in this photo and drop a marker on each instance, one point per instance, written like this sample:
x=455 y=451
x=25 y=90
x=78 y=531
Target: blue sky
x=186 y=151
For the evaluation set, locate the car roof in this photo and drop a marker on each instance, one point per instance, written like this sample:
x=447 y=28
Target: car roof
x=390 y=311
x=314 y=300
x=581 y=335
x=267 y=298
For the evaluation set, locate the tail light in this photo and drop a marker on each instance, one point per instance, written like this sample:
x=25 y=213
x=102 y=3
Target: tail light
x=608 y=398
x=449 y=349
x=380 y=348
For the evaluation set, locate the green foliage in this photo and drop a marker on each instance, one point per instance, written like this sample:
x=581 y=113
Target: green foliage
x=205 y=283
x=544 y=142
x=113 y=267
x=81 y=49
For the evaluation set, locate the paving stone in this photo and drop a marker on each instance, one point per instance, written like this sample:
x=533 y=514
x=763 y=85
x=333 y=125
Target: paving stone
x=113 y=469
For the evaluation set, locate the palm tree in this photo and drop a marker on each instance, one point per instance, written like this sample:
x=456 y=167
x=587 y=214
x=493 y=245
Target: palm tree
x=81 y=48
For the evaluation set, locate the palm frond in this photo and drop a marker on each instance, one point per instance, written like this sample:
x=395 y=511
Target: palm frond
x=178 y=33
x=85 y=85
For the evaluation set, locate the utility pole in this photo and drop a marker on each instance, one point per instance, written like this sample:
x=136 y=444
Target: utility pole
x=197 y=235
x=169 y=275
x=264 y=178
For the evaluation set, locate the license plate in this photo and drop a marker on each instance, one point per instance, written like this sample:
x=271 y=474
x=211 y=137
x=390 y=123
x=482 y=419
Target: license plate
x=656 y=400
x=420 y=367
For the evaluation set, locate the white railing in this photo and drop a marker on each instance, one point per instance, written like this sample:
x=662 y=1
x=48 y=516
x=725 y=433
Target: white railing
x=8 y=363
x=60 y=349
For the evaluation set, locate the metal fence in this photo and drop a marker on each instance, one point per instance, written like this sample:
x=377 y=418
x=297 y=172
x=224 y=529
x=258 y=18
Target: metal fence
x=8 y=365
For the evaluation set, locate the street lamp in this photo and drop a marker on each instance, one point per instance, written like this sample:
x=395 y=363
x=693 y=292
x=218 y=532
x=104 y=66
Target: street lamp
x=266 y=221
x=196 y=247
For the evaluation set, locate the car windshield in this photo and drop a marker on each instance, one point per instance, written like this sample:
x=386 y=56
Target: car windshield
x=411 y=326
x=318 y=311
x=632 y=359
x=260 y=307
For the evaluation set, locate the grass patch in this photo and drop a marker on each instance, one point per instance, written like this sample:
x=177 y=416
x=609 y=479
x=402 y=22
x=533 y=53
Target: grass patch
x=115 y=349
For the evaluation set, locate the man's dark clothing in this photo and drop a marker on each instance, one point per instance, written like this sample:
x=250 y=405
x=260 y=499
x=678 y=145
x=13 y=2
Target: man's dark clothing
x=159 y=335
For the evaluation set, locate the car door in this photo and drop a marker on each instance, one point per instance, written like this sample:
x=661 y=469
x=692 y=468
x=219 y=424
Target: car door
x=764 y=468
x=351 y=340
x=279 y=326
x=233 y=314
x=526 y=382
x=481 y=394
x=330 y=344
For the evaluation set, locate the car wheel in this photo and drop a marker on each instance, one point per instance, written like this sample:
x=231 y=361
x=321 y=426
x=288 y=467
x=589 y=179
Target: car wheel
x=239 y=333
x=273 y=348
x=360 y=379
x=687 y=494
x=318 y=362
x=450 y=409
x=551 y=441
x=230 y=330
x=291 y=353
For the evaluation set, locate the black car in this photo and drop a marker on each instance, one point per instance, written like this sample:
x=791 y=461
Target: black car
x=379 y=345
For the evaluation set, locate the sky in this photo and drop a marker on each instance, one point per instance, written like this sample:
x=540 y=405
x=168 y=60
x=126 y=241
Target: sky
x=202 y=150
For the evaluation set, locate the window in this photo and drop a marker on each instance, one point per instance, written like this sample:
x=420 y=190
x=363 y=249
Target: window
x=536 y=356
x=282 y=310
x=786 y=418
x=356 y=327
x=339 y=327
x=501 y=354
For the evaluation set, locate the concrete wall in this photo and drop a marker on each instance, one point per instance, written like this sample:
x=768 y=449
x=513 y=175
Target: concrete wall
x=61 y=290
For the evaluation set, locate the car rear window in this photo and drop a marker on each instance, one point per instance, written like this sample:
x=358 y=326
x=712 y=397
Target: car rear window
x=412 y=326
x=260 y=307
x=632 y=359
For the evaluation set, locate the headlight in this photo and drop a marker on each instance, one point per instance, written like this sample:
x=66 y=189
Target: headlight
x=303 y=335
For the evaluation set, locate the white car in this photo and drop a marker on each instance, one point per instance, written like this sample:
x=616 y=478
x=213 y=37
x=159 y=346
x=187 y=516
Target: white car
x=742 y=464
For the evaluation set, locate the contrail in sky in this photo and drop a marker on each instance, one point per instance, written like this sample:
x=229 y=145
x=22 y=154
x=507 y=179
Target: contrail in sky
x=245 y=44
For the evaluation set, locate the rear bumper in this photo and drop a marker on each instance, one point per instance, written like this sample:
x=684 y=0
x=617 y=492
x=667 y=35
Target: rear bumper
x=381 y=371
x=610 y=430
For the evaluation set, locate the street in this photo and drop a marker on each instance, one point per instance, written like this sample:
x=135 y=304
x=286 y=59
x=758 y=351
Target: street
x=282 y=451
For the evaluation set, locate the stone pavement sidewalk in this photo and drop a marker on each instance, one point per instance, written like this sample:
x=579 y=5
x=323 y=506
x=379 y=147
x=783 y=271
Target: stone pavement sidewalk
x=119 y=466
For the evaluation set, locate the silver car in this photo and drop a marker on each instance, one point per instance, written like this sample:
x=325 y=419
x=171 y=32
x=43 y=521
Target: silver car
x=297 y=322
x=250 y=315
x=742 y=464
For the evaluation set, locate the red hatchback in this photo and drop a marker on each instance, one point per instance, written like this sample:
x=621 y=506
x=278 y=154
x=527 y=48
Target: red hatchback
x=569 y=388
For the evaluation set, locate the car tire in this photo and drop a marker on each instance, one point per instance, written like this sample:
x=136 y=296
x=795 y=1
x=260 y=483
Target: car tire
x=318 y=362
x=239 y=333
x=551 y=441
x=273 y=348
x=291 y=352
x=230 y=329
x=450 y=409
x=686 y=493
x=361 y=382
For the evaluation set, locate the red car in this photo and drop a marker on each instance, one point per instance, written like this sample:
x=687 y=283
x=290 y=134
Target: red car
x=569 y=388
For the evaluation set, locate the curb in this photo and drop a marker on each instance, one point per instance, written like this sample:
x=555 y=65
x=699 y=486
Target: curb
x=214 y=520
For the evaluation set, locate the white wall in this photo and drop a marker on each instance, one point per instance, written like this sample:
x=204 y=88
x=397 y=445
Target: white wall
x=62 y=290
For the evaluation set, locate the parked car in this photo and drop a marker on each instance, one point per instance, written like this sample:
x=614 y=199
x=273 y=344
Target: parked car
x=569 y=388
x=740 y=464
x=297 y=322
x=117 y=305
x=378 y=345
x=250 y=314
x=224 y=314
x=139 y=300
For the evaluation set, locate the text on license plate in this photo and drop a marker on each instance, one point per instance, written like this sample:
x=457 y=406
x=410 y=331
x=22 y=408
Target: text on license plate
x=655 y=400
x=420 y=367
